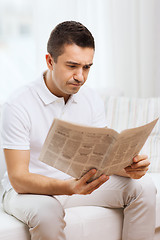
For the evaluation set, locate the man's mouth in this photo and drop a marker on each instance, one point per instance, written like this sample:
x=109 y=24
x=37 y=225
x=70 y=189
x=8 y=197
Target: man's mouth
x=75 y=84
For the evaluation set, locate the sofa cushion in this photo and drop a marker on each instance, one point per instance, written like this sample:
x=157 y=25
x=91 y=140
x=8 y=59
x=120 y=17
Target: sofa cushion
x=90 y=222
x=11 y=228
x=123 y=113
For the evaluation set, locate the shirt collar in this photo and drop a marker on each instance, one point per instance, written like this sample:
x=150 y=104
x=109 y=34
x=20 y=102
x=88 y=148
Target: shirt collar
x=47 y=97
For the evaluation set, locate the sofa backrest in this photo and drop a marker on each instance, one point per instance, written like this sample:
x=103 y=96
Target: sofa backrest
x=124 y=112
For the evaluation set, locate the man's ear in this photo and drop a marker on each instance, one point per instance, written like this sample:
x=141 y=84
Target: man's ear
x=49 y=61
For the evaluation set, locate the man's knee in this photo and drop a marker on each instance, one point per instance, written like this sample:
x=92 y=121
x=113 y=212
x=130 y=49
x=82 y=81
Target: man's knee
x=47 y=221
x=141 y=188
x=148 y=189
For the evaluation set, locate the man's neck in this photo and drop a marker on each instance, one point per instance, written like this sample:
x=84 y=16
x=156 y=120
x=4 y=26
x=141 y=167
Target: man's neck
x=48 y=81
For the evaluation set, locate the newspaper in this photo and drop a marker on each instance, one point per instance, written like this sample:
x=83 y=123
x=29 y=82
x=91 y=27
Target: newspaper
x=75 y=149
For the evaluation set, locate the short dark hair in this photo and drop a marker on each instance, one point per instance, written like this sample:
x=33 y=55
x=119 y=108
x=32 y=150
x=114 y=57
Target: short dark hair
x=68 y=32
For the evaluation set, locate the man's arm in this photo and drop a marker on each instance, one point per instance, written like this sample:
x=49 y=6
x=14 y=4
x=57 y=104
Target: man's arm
x=138 y=168
x=25 y=182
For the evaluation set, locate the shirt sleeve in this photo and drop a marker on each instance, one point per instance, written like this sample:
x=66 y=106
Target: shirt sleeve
x=15 y=127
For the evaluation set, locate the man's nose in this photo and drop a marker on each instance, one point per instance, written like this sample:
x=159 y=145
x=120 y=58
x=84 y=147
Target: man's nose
x=78 y=76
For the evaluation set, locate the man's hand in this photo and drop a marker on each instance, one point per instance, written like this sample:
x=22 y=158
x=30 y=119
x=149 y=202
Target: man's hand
x=82 y=187
x=139 y=167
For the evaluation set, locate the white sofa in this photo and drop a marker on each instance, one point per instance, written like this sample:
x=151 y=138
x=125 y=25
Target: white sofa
x=92 y=223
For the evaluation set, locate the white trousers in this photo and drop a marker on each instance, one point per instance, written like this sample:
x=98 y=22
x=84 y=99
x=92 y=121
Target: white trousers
x=44 y=215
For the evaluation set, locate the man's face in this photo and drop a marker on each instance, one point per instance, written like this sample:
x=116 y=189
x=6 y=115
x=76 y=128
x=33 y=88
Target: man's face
x=70 y=71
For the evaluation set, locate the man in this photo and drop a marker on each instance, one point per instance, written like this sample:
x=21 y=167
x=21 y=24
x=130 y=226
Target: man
x=37 y=194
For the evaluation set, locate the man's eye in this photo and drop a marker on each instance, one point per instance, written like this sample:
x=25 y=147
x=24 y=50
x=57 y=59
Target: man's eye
x=86 y=67
x=71 y=66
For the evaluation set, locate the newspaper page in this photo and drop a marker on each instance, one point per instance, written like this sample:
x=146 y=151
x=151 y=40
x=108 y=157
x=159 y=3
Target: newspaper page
x=75 y=149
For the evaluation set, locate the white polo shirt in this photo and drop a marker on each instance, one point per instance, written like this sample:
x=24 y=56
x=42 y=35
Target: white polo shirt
x=29 y=113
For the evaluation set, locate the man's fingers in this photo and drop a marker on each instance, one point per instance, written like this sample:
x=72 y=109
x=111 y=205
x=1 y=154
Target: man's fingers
x=88 y=175
x=97 y=186
x=141 y=164
x=96 y=183
x=83 y=186
x=139 y=167
x=139 y=158
x=130 y=170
